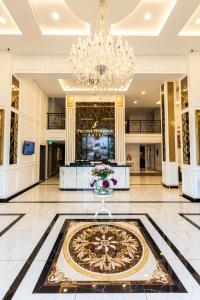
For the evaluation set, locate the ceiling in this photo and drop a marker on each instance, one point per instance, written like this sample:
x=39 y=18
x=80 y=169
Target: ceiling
x=148 y=83
x=152 y=27
x=172 y=26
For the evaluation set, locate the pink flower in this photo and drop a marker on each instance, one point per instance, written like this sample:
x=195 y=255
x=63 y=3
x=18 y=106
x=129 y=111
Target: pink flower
x=114 y=181
x=106 y=184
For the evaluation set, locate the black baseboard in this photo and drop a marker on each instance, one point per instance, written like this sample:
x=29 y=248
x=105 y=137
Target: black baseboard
x=18 y=193
x=86 y=190
x=191 y=198
x=170 y=186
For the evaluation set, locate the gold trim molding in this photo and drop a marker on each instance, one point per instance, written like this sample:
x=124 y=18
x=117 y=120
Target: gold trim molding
x=2 y=119
x=120 y=101
x=171 y=121
x=197 y=126
x=70 y=101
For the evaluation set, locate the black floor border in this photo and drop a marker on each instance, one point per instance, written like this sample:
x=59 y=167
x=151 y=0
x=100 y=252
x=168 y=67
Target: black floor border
x=183 y=215
x=18 y=280
x=5 y=200
x=170 y=186
x=191 y=198
x=121 y=202
x=20 y=216
x=89 y=189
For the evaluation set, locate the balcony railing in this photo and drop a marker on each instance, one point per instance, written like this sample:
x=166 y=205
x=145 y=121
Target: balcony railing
x=143 y=126
x=56 y=121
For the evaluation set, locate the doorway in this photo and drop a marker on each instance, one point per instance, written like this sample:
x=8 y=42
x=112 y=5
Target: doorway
x=56 y=157
x=142 y=157
x=42 y=174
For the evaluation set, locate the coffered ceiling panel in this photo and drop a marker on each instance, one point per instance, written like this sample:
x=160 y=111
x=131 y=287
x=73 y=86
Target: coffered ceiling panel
x=147 y=19
x=56 y=18
x=7 y=23
x=192 y=27
x=151 y=27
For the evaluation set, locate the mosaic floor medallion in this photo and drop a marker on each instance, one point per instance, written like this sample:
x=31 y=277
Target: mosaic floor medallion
x=106 y=256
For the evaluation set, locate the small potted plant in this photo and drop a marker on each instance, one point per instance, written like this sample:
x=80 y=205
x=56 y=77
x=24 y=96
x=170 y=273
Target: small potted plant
x=103 y=180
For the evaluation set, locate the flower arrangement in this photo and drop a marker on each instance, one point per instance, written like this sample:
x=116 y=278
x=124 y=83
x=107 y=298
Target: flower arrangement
x=103 y=180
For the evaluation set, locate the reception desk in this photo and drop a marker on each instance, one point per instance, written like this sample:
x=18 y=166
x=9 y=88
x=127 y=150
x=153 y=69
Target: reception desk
x=79 y=177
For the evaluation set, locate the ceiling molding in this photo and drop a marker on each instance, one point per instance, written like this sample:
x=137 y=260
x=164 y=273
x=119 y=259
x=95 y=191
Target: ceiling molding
x=147 y=19
x=7 y=23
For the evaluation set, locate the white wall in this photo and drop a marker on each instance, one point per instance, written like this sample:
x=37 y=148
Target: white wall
x=32 y=111
x=134 y=151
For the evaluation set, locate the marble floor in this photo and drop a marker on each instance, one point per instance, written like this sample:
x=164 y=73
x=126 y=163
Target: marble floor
x=32 y=234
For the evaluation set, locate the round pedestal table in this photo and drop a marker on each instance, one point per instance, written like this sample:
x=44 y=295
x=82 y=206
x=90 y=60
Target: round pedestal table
x=102 y=208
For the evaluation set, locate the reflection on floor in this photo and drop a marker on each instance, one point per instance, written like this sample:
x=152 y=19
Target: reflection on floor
x=112 y=256
x=152 y=215
x=155 y=180
x=146 y=172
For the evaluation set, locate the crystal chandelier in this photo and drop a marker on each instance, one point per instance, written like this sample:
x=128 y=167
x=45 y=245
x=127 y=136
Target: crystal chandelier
x=101 y=63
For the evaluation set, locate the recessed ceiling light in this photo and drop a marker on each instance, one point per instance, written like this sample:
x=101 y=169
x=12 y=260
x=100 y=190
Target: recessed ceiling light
x=158 y=102
x=2 y=20
x=147 y=16
x=135 y=102
x=197 y=22
x=143 y=93
x=55 y=16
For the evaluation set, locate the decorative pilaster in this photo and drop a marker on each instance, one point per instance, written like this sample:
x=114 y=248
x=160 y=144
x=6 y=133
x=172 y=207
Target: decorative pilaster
x=5 y=101
x=5 y=109
x=169 y=139
x=190 y=129
x=120 y=130
x=70 y=130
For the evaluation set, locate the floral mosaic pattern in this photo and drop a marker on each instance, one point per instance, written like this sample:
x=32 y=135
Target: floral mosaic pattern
x=101 y=256
x=105 y=249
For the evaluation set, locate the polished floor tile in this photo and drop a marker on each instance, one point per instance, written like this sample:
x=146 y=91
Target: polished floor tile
x=25 y=247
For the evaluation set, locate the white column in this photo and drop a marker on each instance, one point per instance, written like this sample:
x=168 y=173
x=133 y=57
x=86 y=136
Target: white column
x=70 y=119
x=191 y=168
x=5 y=104
x=120 y=130
x=169 y=138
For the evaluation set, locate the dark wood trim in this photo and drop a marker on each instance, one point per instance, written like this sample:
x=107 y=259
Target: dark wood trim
x=18 y=193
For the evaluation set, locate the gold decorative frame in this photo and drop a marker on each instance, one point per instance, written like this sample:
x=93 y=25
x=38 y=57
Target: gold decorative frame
x=171 y=121
x=13 y=138
x=197 y=126
x=184 y=93
x=163 y=125
x=15 y=93
x=2 y=118
x=186 y=138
